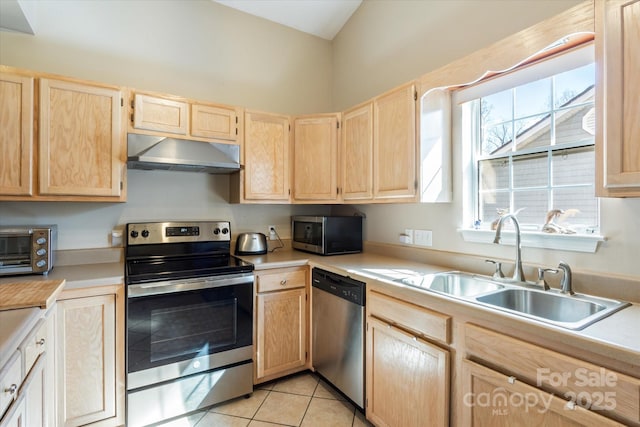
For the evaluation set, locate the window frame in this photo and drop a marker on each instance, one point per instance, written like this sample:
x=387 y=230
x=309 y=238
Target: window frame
x=519 y=75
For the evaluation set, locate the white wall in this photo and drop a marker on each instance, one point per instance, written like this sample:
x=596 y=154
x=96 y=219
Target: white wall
x=152 y=196
x=195 y=48
x=388 y=43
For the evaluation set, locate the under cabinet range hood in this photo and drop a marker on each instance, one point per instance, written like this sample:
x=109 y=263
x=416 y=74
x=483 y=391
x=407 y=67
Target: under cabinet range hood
x=150 y=152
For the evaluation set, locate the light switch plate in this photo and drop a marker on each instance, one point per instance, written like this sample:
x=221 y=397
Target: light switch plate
x=423 y=238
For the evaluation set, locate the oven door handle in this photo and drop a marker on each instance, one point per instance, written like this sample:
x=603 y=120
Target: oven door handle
x=173 y=286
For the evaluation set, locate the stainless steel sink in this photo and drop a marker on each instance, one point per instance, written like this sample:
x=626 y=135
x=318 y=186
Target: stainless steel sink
x=573 y=312
x=568 y=311
x=453 y=283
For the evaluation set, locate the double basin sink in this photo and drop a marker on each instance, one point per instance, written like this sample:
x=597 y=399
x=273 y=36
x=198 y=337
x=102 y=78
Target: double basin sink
x=569 y=311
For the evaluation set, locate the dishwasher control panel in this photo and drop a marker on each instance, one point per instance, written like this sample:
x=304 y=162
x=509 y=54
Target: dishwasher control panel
x=341 y=286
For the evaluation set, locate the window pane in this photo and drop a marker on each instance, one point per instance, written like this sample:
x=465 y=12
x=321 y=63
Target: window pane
x=494 y=174
x=575 y=125
x=533 y=98
x=491 y=203
x=535 y=206
x=581 y=199
x=534 y=131
x=497 y=139
x=574 y=166
x=571 y=84
x=530 y=171
x=496 y=108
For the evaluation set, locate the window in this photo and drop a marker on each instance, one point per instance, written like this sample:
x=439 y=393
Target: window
x=532 y=133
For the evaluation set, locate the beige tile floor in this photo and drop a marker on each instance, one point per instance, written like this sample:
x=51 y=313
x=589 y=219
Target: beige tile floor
x=301 y=400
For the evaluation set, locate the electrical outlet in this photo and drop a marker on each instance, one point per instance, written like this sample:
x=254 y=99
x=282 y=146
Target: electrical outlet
x=423 y=238
x=272 y=232
x=407 y=237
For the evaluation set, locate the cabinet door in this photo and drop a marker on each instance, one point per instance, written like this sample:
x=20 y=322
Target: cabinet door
x=266 y=157
x=16 y=415
x=16 y=135
x=86 y=360
x=281 y=331
x=357 y=153
x=80 y=152
x=160 y=114
x=618 y=91
x=315 y=159
x=212 y=122
x=407 y=378
x=394 y=144
x=494 y=399
x=35 y=394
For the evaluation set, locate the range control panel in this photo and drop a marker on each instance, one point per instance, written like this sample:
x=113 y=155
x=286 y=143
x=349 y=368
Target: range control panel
x=145 y=233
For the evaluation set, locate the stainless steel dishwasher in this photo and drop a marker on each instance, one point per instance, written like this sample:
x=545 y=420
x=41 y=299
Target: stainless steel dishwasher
x=338 y=332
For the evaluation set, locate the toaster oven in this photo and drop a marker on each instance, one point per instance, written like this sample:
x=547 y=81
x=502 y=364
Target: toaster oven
x=27 y=249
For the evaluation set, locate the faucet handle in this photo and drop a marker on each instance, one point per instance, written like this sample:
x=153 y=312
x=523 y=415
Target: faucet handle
x=498 y=272
x=541 y=281
x=565 y=283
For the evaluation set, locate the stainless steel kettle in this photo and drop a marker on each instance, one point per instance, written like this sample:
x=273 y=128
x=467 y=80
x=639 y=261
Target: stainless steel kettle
x=251 y=244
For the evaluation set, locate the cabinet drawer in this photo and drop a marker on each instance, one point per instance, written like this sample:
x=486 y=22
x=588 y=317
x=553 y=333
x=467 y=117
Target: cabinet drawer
x=33 y=346
x=10 y=379
x=286 y=278
x=568 y=377
x=423 y=321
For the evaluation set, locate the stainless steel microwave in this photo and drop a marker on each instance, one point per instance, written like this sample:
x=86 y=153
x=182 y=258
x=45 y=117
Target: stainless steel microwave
x=27 y=249
x=327 y=235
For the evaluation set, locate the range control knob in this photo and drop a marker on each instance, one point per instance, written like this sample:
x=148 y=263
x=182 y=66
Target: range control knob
x=41 y=240
x=225 y=230
x=41 y=252
x=145 y=233
x=41 y=263
x=134 y=233
x=216 y=231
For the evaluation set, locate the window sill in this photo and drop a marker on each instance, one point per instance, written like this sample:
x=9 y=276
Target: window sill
x=532 y=239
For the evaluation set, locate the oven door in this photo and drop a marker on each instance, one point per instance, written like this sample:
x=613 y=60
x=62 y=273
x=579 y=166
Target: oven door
x=179 y=328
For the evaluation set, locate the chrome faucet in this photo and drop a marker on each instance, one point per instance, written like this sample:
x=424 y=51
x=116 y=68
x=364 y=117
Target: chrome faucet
x=518 y=273
x=565 y=283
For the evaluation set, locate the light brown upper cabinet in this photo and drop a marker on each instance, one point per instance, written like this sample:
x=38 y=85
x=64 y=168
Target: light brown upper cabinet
x=394 y=144
x=266 y=157
x=617 y=94
x=81 y=139
x=315 y=158
x=208 y=121
x=357 y=153
x=169 y=115
x=160 y=114
x=16 y=134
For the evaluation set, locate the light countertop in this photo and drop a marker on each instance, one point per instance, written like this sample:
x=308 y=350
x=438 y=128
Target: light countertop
x=615 y=335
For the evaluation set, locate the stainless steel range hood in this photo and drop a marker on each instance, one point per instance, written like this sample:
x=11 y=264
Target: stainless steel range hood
x=160 y=153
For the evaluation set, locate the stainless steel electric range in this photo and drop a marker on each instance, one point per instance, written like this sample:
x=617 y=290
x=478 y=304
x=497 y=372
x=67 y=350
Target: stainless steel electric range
x=189 y=319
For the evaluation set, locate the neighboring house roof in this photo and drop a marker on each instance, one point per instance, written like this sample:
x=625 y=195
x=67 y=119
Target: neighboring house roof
x=534 y=135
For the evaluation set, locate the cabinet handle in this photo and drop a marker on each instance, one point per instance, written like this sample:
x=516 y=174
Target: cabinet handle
x=511 y=380
x=40 y=341
x=11 y=389
x=283 y=282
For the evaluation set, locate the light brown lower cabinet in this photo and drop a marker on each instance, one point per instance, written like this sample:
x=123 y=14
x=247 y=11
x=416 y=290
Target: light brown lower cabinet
x=281 y=323
x=494 y=399
x=407 y=378
x=88 y=359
